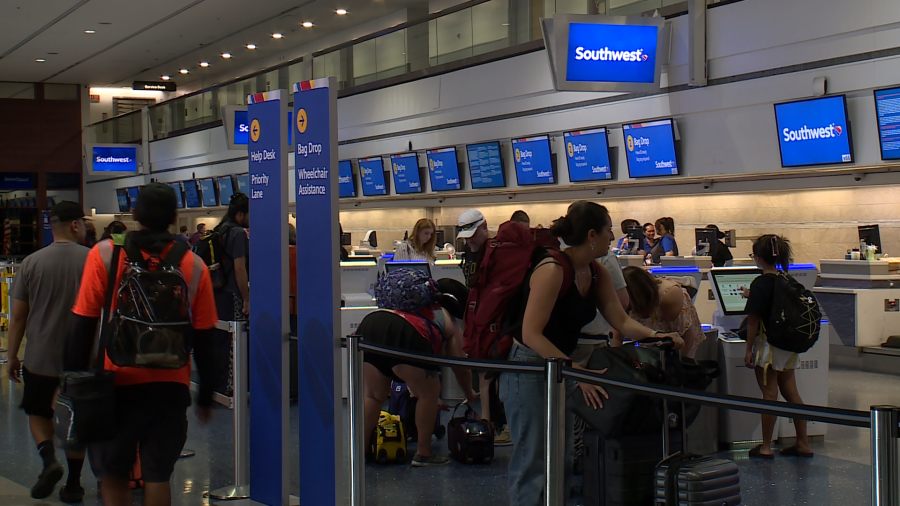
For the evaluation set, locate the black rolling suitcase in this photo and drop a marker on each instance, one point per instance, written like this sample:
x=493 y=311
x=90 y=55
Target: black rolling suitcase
x=620 y=471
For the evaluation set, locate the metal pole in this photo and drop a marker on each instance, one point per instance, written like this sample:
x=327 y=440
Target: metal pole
x=555 y=435
x=885 y=456
x=356 y=400
x=241 y=413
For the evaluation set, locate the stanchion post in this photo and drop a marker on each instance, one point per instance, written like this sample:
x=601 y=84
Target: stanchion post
x=555 y=435
x=885 y=456
x=356 y=400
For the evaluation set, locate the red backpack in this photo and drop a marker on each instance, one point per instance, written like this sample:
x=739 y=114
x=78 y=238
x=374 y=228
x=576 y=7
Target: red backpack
x=502 y=268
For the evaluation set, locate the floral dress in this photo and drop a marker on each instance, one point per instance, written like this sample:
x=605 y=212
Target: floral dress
x=686 y=324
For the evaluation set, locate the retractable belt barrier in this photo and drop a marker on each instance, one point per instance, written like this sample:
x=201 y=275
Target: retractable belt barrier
x=884 y=421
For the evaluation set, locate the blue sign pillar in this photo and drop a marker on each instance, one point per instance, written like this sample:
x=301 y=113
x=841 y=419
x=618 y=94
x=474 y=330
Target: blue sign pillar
x=318 y=291
x=269 y=482
x=47 y=229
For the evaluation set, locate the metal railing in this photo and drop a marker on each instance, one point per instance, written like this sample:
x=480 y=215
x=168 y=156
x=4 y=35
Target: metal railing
x=884 y=421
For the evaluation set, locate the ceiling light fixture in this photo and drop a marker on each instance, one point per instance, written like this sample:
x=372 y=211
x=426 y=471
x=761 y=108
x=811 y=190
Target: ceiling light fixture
x=277 y=35
x=340 y=12
x=226 y=55
x=307 y=24
x=90 y=31
x=204 y=64
x=165 y=78
x=183 y=71
x=251 y=46
x=40 y=60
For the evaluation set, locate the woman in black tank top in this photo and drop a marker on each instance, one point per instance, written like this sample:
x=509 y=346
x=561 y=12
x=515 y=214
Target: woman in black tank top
x=550 y=327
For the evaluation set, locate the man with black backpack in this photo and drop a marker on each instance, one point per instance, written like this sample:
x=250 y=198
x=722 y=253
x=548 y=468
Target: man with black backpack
x=160 y=306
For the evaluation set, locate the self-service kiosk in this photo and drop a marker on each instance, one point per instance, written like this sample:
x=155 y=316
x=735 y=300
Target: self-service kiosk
x=358 y=283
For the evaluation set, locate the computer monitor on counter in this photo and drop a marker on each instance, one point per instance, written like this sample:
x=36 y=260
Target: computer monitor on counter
x=358 y=277
x=370 y=239
x=345 y=239
x=872 y=236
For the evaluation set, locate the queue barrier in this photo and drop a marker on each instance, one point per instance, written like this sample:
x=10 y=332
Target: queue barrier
x=883 y=421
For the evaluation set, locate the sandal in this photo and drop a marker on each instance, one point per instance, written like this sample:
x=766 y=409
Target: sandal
x=793 y=451
x=756 y=452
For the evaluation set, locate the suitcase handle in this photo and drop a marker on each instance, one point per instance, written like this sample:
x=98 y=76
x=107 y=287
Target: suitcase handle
x=663 y=343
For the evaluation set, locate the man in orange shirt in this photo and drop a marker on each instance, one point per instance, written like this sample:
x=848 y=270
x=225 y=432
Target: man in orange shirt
x=151 y=404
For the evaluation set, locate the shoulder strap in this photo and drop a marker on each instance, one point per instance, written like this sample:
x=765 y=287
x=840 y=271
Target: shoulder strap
x=568 y=271
x=133 y=252
x=176 y=254
x=112 y=271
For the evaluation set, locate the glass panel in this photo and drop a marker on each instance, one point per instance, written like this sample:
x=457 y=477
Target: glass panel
x=17 y=90
x=60 y=92
x=490 y=26
x=454 y=36
x=364 y=62
x=390 y=55
x=295 y=74
x=632 y=7
x=69 y=180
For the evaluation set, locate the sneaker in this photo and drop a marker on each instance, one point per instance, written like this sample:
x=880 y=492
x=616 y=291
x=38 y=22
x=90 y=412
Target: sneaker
x=48 y=479
x=431 y=460
x=70 y=495
x=503 y=438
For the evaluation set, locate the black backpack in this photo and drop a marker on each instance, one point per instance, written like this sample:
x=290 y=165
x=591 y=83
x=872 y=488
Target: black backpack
x=151 y=326
x=211 y=249
x=796 y=318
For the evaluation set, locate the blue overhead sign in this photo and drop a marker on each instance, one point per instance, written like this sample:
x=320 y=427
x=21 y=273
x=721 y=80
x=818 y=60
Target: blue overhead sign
x=650 y=149
x=532 y=160
x=346 y=186
x=114 y=159
x=587 y=153
x=611 y=53
x=241 y=128
x=443 y=169
x=208 y=191
x=814 y=132
x=372 y=172
x=887 y=107
x=406 y=173
x=17 y=181
x=191 y=196
x=485 y=165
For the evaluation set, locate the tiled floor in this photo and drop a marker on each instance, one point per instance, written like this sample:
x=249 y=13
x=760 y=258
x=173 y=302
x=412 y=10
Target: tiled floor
x=838 y=475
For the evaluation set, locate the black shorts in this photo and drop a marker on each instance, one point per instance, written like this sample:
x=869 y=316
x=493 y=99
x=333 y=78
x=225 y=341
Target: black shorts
x=160 y=431
x=40 y=394
x=387 y=329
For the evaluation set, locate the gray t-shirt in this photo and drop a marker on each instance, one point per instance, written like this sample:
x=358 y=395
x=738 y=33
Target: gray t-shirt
x=600 y=326
x=48 y=281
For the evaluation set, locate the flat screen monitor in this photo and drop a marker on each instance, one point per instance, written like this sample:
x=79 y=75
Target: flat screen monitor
x=703 y=240
x=443 y=169
x=371 y=171
x=650 y=149
x=191 y=195
x=871 y=235
x=133 y=193
x=208 y=192
x=419 y=266
x=533 y=160
x=243 y=182
x=728 y=284
x=122 y=199
x=439 y=239
x=179 y=195
x=485 y=165
x=114 y=159
x=226 y=189
x=887 y=109
x=241 y=128
x=587 y=155
x=635 y=236
x=814 y=132
x=346 y=184
x=405 y=167
x=345 y=239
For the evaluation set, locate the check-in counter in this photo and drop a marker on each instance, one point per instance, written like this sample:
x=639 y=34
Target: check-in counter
x=358 y=283
x=448 y=269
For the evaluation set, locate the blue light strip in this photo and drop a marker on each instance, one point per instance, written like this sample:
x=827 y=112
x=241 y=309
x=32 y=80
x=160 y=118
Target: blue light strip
x=674 y=270
x=388 y=256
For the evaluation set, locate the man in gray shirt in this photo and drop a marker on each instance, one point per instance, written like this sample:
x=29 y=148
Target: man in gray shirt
x=43 y=294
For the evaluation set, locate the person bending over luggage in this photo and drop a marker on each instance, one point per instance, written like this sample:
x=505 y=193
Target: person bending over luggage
x=552 y=319
x=662 y=305
x=774 y=367
x=428 y=331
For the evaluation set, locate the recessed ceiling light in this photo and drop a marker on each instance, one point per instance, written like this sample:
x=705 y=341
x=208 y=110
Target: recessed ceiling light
x=251 y=46
x=340 y=12
x=40 y=60
x=183 y=71
x=90 y=31
x=165 y=78
x=204 y=64
x=505 y=24
x=277 y=35
x=226 y=55
x=307 y=24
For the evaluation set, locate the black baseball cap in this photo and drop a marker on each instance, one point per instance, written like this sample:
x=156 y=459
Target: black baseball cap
x=156 y=206
x=66 y=211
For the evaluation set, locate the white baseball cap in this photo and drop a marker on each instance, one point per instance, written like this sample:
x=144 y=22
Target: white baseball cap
x=468 y=223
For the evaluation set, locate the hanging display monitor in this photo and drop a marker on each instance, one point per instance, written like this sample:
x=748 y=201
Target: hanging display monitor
x=241 y=128
x=405 y=167
x=179 y=195
x=243 y=182
x=650 y=149
x=587 y=155
x=133 y=193
x=122 y=199
x=346 y=184
x=485 y=165
x=887 y=108
x=532 y=160
x=113 y=159
x=208 y=192
x=191 y=195
x=371 y=171
x=443 y=169
x=226 y=189
x=814 y=132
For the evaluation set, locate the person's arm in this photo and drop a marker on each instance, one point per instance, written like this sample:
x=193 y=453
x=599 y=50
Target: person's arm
x=242 y=277
x=622 y=295
x=752 y=331
x=203 y=320
x=81 y=335
x=453 y=332
x=669 y=246
x=16 y=333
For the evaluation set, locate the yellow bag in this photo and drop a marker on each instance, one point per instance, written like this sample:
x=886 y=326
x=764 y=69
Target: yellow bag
x=389 y=440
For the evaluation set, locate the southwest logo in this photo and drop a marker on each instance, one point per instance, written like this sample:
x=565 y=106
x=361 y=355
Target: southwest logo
x=805 y=133
x=605 y=54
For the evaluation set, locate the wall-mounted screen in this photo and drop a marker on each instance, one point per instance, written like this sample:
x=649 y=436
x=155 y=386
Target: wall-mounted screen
x=485 y=165
x=179 y=195
x=405 y=167
x=208 y=192
x=133 y=195
x=243 y=182
x=650 y=148
x=532 y=160
x=814 y=132
x=108 y=159
x=346 y=185
x=122 y=199
x=226 y=189
x=371 y=171
x=443 y=169
x=887 y=108
x=191 y=195
x=587 y=155
x=241 y=128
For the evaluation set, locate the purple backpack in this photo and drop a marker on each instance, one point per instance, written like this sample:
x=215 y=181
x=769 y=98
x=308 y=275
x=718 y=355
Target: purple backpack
x=403 y=405
x=406 y=290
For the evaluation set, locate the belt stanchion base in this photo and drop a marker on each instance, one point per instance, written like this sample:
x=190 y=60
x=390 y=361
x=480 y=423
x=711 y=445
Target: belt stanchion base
x=885 y=456
x=555 y=435
x=356 y=401
x=241 y=487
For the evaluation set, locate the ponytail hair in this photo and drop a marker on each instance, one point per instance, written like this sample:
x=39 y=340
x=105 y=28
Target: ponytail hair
x=774 y=250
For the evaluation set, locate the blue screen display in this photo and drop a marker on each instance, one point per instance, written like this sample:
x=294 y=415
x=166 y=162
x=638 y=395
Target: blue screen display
x=226 y=189
x=485 y=165
x=406 y=173
x=813 y=132
x=587 y=154
x=650 y=149
x=611 y=53
x=443 y=169
x=887 y=107
x=133 y=195
x=346 y=188
x=241 y=128
x=532 y=160
x=191 y=196
x=372 y=171
x=243 y=181
x=120 y=159
x=122 y=198
x=208 y=191
x=179 y=196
